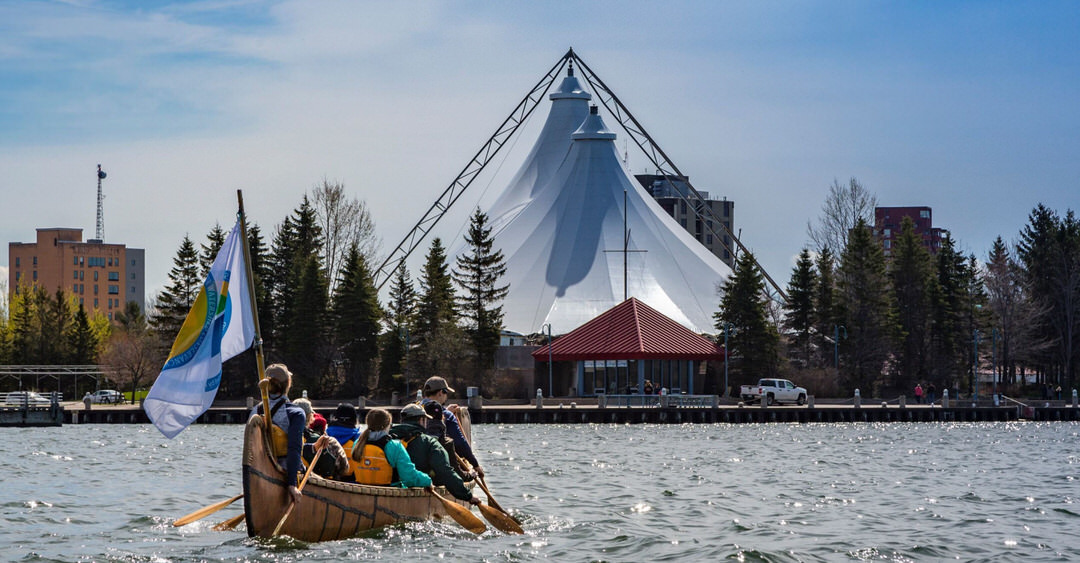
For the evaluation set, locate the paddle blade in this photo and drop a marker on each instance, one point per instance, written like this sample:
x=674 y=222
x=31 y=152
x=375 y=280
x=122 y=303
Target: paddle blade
x=230 y=523
x=205 y=511
x=463 y=516
x=500 y=520
x=460 y=514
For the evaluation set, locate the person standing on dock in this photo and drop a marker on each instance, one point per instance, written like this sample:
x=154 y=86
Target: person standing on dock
x=918 y=393
x=931 y=393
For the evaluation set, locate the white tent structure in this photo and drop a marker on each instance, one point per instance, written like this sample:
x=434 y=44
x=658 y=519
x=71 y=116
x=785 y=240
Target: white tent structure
x=560 y=223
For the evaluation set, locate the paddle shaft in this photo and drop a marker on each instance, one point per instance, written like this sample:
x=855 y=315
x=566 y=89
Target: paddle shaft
x=230 y=523
x=292 y=505
x=205 y=511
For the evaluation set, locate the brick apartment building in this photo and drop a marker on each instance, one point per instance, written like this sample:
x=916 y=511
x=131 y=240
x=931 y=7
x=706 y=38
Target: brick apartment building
x=103 y=276
x=887 y=221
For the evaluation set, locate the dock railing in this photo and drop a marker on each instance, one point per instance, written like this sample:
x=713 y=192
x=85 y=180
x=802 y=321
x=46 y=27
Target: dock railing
x=27 y=399
x=671 y=400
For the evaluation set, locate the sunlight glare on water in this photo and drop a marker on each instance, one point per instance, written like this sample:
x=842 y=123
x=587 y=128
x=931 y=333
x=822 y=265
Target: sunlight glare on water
x=775 y=492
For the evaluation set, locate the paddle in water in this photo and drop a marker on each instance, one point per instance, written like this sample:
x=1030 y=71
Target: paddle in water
x=205 y=511
x=301 y=487
x=460 y=514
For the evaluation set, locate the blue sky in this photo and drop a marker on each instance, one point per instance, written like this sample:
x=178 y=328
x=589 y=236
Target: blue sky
x=967 y=107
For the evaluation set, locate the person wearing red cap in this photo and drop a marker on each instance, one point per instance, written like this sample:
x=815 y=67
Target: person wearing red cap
x=436 y=389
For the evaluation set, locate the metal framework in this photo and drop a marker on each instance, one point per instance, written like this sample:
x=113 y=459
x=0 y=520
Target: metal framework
x=629 y=123
x=451 y=194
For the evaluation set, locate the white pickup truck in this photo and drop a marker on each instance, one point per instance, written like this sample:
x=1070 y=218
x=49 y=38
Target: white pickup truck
x=775 y=391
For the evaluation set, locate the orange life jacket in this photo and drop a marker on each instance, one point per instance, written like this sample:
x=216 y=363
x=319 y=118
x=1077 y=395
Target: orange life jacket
x=373 y=467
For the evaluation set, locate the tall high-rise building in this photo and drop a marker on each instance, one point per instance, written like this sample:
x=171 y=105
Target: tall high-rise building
x=887 y=221
x=103 y=276
x=671 y=195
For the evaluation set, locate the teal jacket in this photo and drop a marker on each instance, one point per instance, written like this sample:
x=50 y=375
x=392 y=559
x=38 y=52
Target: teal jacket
x=408 y=475
x=428 y=455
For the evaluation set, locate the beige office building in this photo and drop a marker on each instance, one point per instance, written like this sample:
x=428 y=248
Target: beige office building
x=103 y=276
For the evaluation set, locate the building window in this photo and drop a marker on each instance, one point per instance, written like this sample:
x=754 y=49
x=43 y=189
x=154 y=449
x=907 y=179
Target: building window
x=95 y=275
x=35 y=260
x=82 y=260
x=708 y=239
x=95 y=293
x=114 y=290
x=95 y=303
x=888 y=244
x=924 y=214
x=114 y=276
x=132 y=262
x=133 y=275
x=16 y=261
x=75 y=288
x=35 y=275
x=888 y=233
x=81 y=304
x=76 y=275
x=132 y=289
x=81 y=276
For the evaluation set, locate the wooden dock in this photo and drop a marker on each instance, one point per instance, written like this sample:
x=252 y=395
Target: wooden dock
x=576 y=411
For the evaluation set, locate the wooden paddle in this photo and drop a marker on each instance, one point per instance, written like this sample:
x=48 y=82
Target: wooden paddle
x=230 y=523
x=515 y=527
x=205 y=511
x=500 y=519
x=460 y=514
x=301 y=487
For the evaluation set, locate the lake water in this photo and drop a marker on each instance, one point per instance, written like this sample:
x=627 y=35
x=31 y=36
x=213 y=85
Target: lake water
x=812 y=492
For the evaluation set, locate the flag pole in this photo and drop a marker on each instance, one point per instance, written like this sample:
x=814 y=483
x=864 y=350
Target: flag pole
x=259 y=361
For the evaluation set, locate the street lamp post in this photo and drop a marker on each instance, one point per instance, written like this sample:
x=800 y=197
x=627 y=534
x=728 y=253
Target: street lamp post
x=994 y=333
x=551 y=388
x=404 y=331
x=728 y=327
x=836 y=344
x=975 y=366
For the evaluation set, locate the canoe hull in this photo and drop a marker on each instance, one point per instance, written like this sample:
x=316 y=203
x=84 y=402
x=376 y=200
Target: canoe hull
x=329 y=510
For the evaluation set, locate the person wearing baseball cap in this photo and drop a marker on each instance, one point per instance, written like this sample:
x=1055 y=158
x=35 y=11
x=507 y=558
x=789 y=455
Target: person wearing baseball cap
x=438 y=390
x=426 y=453
x=289 y=418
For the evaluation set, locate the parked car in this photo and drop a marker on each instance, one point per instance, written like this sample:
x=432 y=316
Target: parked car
x=774 y=391
x=30 y=398
x=107 y=396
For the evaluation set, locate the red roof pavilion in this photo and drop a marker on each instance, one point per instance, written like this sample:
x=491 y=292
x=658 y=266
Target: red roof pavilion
x=631 y=331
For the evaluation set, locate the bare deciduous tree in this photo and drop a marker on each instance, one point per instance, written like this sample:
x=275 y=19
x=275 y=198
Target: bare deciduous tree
x=843 y=208
x=344 y=222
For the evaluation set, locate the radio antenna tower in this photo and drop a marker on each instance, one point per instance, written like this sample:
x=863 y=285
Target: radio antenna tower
x=100 y=205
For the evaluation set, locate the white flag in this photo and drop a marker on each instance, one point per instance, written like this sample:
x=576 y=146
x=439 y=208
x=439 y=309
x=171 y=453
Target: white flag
x=219 y=326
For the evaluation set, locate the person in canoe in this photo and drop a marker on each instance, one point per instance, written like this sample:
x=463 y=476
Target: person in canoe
x=334 y=460
x=436 y=389
x=427 y=454
x=382 y=460
x=342 y=427
x=289 y=418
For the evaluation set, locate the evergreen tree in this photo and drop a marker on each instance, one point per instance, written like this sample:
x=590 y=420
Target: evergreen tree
x=214 y=239
x=1007 y=301
x=1050 y=251
x=477 y=274
x=357 y=318
x=826 y=317
x=437 y=336
x=866 y=310
x=84 y=343
x=800 y=305
x=911 y=275
x=752 y=340
x=175 y=301
x=308 y=346
x=294 y=265
x=949 y=303
x=20 y=327
x=400 y=315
